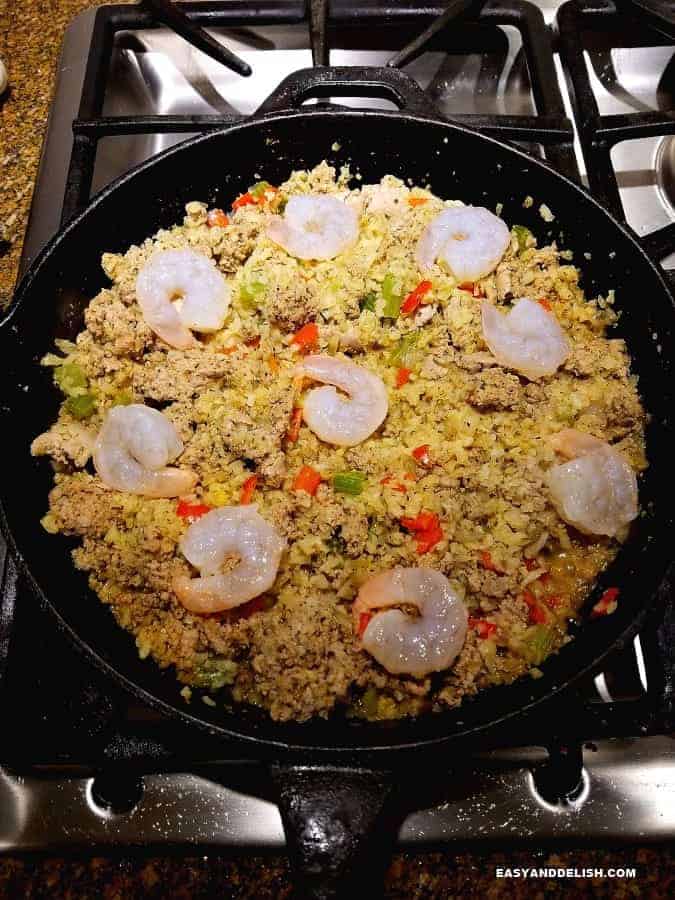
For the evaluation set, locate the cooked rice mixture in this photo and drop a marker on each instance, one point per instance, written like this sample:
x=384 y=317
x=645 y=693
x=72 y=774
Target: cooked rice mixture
x=484 y=431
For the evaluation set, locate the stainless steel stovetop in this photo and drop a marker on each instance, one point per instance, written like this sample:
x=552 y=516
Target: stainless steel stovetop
x=627 y=792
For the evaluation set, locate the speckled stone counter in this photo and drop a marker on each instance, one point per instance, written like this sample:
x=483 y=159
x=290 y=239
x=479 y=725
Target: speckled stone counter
x=419 y=877
x=30 y=37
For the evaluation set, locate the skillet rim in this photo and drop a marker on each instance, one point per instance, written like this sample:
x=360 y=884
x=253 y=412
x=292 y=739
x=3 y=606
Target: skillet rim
x=538 y=696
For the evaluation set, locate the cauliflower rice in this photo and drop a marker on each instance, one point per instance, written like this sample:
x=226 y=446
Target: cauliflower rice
x=524 y=573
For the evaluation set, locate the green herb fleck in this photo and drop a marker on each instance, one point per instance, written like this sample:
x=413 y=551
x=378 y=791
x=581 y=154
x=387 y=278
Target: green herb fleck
x=368 y=302
x=215 y=673
x=336 y=543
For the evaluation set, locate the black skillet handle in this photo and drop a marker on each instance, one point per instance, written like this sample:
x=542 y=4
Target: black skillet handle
x=340 y=828
x=349 y=81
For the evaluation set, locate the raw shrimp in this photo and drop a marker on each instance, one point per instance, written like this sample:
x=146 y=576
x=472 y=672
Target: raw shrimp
x=315 y=227
x=527 y=338
x=225 y=532
x=469 y=239
x=132 y=450
x=344 y=421
x=596 y=491
x=405 y=645
x=180 y=291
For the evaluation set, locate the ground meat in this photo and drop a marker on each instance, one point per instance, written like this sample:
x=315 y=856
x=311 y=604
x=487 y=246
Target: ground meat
x=495 y=389
x=475 y=362
x=66 y=442
x=328 y=518
x=491 y=584
x=239 y=239
x=180 y=375
x=80 y=504
x=149 y=566
x=120 y=327
x=290 y=306
x=303 y=659
x=432 y=370
x=595 y=357
x=234 y=432
x=535 y=273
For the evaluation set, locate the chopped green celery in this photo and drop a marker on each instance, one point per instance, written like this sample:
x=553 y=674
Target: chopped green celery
x=392 y=301
x=280 y=204
x=71 y=379
x=214 y=674
x=368 y=302
x=123 y=398
x=369 y=702
x=403 y=353
x=81 y=405
x=65 y=346
x=523 y=236
x=538 y=643
x=249 y=293
x=51 y=359
x=349 y=482
x=259 y=189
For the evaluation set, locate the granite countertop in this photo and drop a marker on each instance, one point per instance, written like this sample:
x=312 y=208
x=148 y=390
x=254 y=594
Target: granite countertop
x=30 y=37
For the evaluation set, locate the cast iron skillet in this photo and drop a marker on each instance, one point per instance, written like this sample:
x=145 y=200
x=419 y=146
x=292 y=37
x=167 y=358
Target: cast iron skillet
x=328 y=809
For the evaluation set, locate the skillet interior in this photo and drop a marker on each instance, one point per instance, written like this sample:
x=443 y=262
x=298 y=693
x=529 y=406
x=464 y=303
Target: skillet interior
x=456 y=164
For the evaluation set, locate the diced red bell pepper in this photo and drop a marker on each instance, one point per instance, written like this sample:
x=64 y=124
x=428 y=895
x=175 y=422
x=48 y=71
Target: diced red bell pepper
x=607 y=603
x=488 y=563
x=482 y=627
x=247 y=490
x=246 y=199
x=537 y=614
x=417 y=201
x=414 y=299
x=421 y=455
x=307 y=337
x=308 y=480
x=553 y=601
x=402 y=377
x=217 y=218
x=530 y=564
x=253 y=343
x=364 y=619
x=545 y=303
x=293 y=432
x=472 y=288
x=401 y=488
x=191 y=511
x=426 y=528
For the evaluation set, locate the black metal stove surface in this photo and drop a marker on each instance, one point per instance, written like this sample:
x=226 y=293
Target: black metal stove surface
x=83 y=763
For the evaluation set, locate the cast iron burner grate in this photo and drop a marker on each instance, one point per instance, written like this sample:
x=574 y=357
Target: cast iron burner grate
x=599 y=134
x=66 y=718
x=549 y=127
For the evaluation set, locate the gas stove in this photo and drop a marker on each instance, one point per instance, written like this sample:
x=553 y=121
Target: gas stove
x=589 y=87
